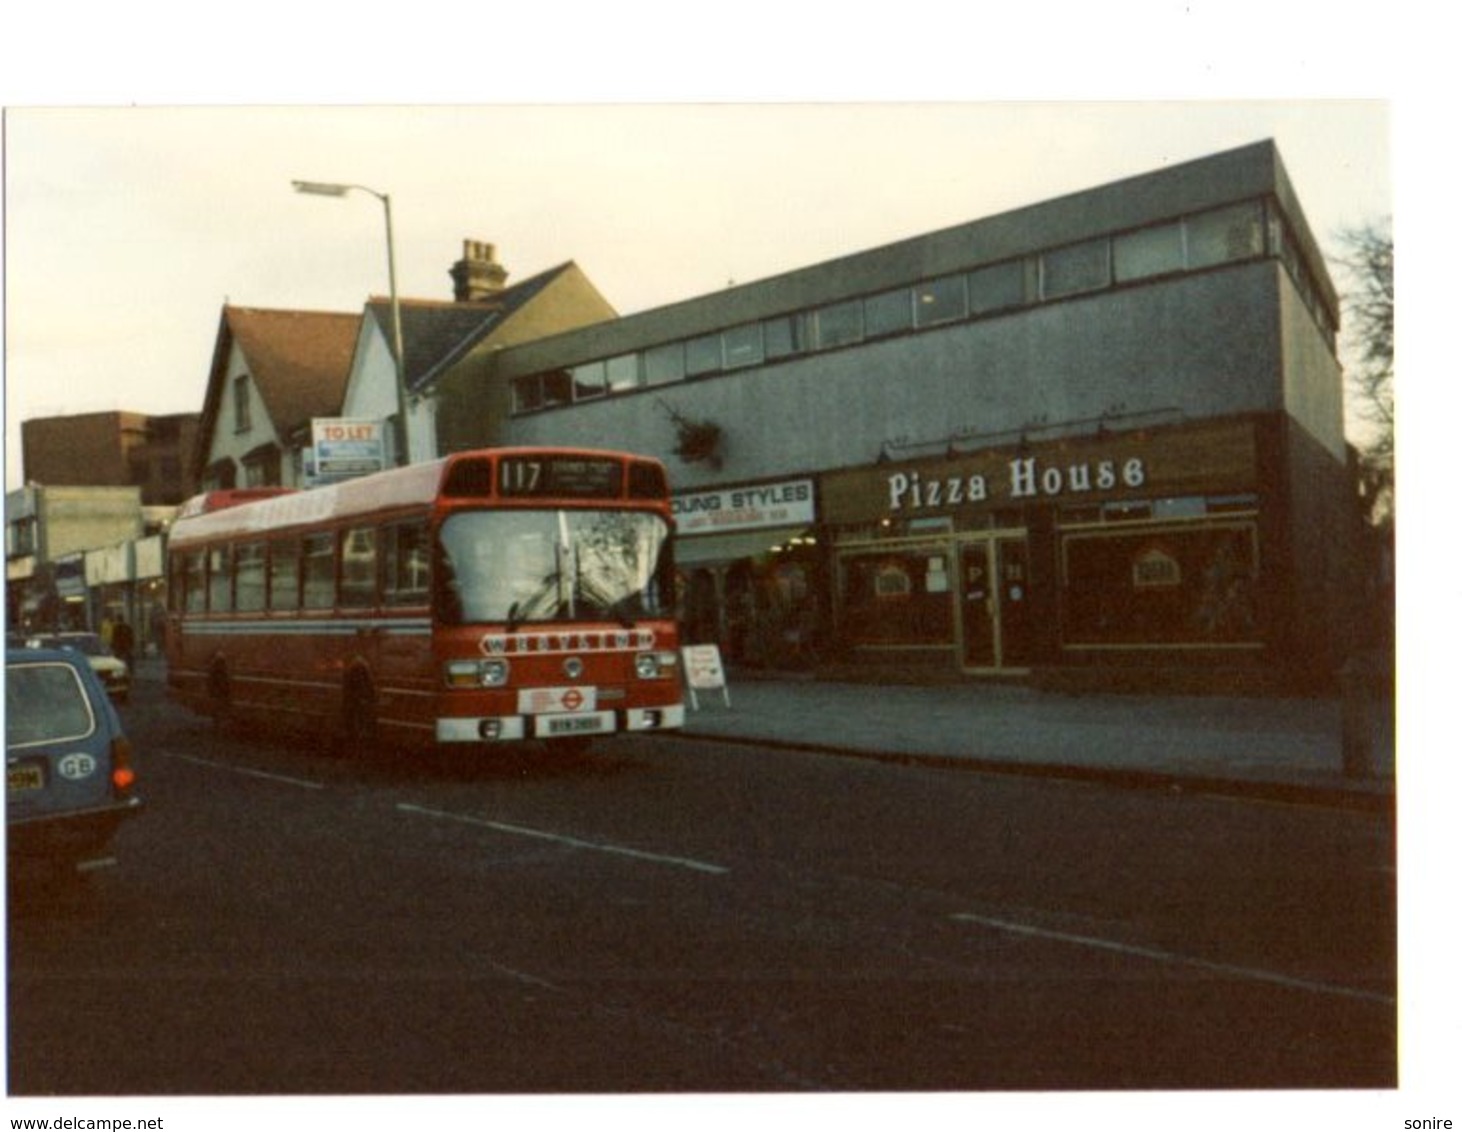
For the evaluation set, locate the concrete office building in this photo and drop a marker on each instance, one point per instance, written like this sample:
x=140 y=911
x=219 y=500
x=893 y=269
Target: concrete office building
x=1099 y=436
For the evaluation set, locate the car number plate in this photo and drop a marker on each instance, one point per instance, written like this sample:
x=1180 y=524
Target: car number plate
x=23 y=777
x=588 y=724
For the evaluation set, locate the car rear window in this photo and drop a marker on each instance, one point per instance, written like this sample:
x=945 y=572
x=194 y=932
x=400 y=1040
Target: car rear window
x=45 y=703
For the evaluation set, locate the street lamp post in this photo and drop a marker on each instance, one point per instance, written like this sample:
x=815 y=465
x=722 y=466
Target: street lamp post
x=329 y=189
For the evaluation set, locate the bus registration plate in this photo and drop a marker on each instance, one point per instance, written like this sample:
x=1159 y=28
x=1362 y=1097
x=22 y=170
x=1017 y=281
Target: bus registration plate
x=588 y=723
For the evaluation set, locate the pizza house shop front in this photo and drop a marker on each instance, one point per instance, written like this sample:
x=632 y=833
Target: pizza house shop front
x=1134 y=547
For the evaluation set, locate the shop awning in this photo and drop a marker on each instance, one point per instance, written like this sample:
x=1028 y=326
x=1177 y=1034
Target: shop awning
x=707 y=550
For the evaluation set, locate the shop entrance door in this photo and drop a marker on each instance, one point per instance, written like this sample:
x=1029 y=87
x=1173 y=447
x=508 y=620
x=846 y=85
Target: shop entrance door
x=994 y=583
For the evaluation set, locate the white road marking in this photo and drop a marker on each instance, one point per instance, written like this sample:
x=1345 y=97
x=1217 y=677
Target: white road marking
x=1253 y=973
x=561 y=839
x=244 y=770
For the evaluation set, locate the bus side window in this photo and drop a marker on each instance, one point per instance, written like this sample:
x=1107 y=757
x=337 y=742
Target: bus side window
x=196 y=572
x=220 y=582
x=284 y=575
x=249 y=578
x=408 y=571
x=319 y=571
x=358 y=568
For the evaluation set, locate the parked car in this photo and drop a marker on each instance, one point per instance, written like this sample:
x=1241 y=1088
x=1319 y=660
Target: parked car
x=69 y=778
x=113 y=670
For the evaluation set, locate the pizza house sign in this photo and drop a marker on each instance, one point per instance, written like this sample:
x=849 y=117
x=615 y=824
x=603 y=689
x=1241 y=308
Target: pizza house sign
x=1177 y=461
x=1027 y=479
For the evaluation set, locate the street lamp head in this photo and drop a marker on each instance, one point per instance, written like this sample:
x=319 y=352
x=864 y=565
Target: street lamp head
x=320 y=188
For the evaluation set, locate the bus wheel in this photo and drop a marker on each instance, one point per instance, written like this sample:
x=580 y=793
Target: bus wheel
x=358 y=716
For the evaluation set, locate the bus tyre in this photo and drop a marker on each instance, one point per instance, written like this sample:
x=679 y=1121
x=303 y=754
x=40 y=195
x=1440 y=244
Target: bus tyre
x=358 y=715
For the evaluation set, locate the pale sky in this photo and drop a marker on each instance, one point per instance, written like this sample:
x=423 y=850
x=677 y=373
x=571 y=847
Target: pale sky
x=128 y=229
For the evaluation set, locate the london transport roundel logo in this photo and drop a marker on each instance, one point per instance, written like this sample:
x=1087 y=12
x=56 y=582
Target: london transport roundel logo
x=573 y=699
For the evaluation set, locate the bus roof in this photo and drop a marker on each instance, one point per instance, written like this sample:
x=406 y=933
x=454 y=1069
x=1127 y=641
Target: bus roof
x=394 y=490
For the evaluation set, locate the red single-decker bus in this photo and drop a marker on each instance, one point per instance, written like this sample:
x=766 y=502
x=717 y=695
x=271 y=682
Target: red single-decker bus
x=490 y=596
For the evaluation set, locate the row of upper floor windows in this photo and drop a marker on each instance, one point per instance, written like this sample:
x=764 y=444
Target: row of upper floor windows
x=1203 y=240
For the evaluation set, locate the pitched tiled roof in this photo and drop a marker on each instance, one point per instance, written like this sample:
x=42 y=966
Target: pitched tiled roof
x=300 y=360
x=436 y=333
x=431 y=329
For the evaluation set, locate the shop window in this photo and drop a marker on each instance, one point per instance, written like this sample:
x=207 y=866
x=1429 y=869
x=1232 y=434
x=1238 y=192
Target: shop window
x=940 y=300
x=839 y=325
x=665 y=364
x=896 y=599
x=1225 y=234
x=1178 y=586
x=889 y=313
x=1075 y=269
x=743 y=345
x=1148 y=252
x=997 y=287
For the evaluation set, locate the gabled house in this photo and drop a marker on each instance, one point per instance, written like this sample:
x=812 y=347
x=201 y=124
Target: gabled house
x=447 y=346
x=273 y=371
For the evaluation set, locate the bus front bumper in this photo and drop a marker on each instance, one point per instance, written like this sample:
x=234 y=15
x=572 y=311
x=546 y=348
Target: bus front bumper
x=559 y=725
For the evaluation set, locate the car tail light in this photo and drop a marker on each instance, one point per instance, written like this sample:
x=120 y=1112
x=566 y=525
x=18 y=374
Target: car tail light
x=123 y=776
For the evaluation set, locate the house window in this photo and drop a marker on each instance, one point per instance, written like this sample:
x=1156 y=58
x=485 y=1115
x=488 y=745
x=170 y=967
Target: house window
x=243 y=420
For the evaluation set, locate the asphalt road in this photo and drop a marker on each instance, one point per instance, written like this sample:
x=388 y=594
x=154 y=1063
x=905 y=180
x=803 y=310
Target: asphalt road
x=673 y=915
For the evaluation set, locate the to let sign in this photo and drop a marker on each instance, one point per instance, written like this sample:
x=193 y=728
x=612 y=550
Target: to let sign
x=346 y=448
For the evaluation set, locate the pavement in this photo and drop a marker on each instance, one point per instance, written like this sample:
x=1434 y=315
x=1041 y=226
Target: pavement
x=1288 y=749
x=1281 y=748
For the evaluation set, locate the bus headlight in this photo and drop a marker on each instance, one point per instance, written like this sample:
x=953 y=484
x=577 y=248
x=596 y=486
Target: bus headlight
x=477 y=673
x=655 y=665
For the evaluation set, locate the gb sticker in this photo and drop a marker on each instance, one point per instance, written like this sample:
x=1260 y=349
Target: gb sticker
x=76 y=766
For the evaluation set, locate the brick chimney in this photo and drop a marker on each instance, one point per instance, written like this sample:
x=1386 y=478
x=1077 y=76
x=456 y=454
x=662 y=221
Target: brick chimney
x=477 y=275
